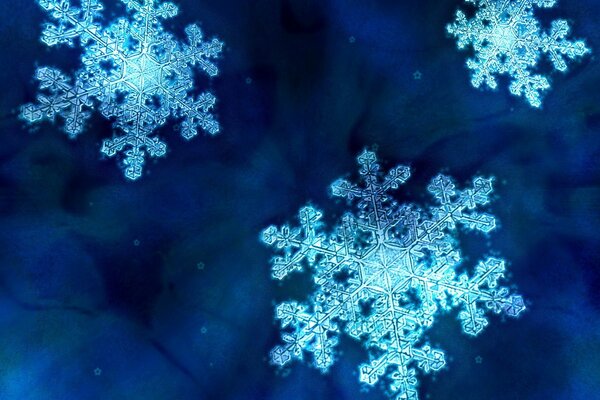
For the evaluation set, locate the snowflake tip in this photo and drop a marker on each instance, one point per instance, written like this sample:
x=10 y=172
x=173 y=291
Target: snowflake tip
x=269 y=235
x=280 y=355
x=514 y=306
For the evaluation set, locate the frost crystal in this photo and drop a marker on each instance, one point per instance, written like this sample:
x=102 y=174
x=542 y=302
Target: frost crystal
x=384 y=274
x=137 y=75
x=507 y=40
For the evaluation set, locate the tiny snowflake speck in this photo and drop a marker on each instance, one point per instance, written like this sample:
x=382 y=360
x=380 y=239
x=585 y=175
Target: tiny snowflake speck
x=384 y=274
x=134 y=72
x=507 y=40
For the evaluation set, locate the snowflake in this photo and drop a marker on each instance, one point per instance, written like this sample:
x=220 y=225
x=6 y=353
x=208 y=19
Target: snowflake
x=508 y=40
x=384 y=274
x=136 y=73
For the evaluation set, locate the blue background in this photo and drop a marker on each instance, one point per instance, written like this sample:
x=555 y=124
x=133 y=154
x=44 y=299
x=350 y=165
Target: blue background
x=100 y=273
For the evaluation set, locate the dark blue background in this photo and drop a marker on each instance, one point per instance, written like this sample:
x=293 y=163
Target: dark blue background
x=77 y=293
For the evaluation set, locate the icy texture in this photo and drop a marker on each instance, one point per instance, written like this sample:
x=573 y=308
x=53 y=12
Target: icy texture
x=384 y=274
x=134 y=72
x=507 y=40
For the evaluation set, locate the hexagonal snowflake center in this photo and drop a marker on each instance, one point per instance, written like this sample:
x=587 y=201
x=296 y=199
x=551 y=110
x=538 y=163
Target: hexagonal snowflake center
x=385 y=268
x=142 y=73
x=504 y=37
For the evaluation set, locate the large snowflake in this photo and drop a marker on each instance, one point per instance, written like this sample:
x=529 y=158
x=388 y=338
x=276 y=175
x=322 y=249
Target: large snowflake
x=137 y=75
x=507 y=40
x=384 y=274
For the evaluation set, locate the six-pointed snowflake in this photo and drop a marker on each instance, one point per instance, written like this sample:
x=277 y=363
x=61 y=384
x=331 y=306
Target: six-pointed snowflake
x=137 y=75
x=507 y=40
x=384 y=274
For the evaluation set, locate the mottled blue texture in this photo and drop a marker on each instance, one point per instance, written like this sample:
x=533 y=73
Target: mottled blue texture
x=298 y=100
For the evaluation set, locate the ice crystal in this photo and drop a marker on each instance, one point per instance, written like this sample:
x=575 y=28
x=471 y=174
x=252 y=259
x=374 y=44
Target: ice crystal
x=135 y=73
x=508 y=40
x=384 y=274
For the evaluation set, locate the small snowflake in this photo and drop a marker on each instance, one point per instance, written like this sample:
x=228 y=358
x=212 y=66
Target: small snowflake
x=417 y=75
x=507 y=40
x=134 y=72
x=384 y=274
x=97 y=371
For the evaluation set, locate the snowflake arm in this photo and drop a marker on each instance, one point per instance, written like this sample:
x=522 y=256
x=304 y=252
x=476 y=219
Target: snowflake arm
x=60 y=97
x=507 y=40
x=199 y=52
x=70 y=22
x=135 y=73
x=384 y=274
x=559 y=48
